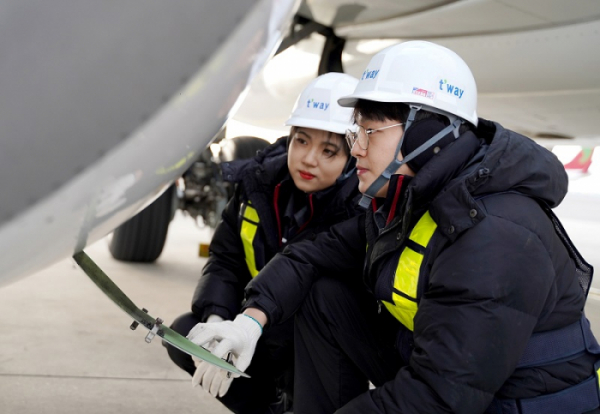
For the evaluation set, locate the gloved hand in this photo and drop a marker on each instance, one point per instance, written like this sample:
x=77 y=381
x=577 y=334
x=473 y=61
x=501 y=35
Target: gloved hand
x=205 y=371
x=237 y=337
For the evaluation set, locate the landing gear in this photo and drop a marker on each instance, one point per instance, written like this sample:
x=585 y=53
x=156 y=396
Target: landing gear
x=142 y=238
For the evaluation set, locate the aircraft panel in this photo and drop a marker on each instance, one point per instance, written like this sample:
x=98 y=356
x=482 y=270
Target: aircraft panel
x=539 y=81
x=557 y=11
x=561 y=114
x=339 y=13
x=464 y=18
x=543 y=82
x=68 y=180
x=79 y=78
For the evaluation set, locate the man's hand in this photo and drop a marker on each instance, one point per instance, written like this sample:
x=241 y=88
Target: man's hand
x=236 y=338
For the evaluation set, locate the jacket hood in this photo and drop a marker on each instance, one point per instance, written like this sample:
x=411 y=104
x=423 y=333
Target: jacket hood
x=517 y=163
x=491 y=160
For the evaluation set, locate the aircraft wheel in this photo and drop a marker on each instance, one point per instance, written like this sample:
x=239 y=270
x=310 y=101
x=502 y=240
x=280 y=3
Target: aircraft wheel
x=142 y=237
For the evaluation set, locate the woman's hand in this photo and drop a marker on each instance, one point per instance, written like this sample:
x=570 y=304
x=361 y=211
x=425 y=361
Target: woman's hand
x=235 y=340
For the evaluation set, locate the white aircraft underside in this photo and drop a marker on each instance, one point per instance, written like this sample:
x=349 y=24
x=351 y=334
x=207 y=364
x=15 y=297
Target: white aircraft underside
x=103 y=104
x=536 y=62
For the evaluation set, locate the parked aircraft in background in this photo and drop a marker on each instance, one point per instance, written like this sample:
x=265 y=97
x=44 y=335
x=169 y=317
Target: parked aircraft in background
x=579 y=210
x=582 y=161
x=583 y=168
x=104 y=104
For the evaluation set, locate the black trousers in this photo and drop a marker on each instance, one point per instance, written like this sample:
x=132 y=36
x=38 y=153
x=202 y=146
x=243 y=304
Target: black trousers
x=271 y=367
x=342 y=342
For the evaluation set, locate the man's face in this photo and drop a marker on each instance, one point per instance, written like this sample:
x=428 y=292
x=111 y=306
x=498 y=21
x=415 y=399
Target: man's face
x=370 y=163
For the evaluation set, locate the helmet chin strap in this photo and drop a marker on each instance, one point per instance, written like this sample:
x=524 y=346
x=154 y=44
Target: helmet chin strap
x=349 y=169
x=385 y=176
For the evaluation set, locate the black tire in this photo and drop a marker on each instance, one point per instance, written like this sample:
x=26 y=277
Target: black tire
x=142 y=237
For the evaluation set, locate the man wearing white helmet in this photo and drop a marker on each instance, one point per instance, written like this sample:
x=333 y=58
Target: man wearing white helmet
x=291 y=191
x=474 y=293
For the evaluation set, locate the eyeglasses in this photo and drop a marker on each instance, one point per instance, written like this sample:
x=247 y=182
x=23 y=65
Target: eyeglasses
x=361 y=135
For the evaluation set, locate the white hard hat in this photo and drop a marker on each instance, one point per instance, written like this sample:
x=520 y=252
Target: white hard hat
x=422 y=73
x=317 y=106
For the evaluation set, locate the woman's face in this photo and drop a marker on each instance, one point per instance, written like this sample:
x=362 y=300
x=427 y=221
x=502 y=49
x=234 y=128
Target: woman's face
x=370 y=163
x=315 y=158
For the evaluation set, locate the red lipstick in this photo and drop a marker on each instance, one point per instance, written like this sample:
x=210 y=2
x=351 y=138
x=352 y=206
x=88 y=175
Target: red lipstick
x=306 y=175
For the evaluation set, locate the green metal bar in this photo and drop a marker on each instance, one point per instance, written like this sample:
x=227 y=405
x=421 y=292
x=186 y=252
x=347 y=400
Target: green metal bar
x=115 y=294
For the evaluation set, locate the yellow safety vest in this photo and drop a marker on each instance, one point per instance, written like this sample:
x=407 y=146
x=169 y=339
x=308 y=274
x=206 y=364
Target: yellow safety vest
x=248 y=229
x=406 y=278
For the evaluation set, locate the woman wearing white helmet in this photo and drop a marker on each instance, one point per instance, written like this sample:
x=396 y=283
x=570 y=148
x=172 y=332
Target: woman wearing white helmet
x=292 y=190
x=474 y=293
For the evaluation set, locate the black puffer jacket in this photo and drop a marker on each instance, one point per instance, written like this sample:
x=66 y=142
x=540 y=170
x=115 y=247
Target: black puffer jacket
x=494 y=272
x=220 y=289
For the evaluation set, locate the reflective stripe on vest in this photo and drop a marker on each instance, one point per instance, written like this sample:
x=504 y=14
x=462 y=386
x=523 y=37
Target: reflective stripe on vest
x=406 y=277
x=248 y=229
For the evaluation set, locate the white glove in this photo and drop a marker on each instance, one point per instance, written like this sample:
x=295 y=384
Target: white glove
x=214 y=318
x=206 y=370
x=211 y=346
x=237 y=338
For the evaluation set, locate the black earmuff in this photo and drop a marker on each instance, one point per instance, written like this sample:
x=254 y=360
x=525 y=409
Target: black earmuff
x=418 y=133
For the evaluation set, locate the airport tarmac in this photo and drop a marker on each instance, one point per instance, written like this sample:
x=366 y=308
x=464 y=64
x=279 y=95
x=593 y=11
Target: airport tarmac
x=66 y=348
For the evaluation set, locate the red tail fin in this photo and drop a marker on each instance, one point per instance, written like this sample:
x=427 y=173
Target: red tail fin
x=582 y=160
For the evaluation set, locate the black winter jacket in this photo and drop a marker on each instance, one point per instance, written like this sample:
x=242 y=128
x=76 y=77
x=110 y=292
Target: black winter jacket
x=494 y=272
x=220 y=289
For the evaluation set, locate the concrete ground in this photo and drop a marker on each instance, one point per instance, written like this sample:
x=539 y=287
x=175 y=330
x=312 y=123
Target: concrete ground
x=66 y=348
